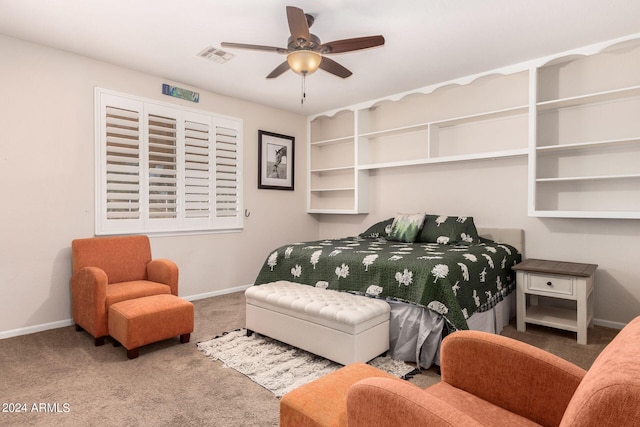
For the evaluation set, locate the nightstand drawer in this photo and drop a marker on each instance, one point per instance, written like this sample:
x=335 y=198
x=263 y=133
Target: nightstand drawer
x=546 y=284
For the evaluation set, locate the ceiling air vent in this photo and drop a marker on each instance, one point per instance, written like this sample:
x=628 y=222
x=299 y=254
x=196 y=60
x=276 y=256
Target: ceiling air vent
x=216 y=55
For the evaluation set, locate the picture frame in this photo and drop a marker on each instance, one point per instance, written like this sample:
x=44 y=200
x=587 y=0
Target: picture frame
x=276 y=161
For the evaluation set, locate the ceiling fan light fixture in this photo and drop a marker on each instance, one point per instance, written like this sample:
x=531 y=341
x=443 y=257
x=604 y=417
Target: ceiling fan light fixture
x=304 y=62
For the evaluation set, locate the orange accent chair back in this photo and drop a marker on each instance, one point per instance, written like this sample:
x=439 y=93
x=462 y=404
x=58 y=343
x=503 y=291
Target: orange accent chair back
x=121 y=258
x=107 y=270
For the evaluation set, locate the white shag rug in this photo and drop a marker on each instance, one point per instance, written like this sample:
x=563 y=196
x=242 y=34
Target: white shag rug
x=279 y=367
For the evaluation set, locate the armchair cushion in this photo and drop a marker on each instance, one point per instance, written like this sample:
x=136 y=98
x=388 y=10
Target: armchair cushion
x=123 y=291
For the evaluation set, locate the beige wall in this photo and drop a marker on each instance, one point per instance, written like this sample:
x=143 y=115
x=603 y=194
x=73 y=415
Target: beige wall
x=47 y=172
x=47 y=181
x=498 y=197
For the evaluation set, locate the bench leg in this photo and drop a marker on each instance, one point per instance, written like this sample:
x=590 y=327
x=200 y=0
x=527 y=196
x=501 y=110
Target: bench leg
x=133 y=353
x=184 y=338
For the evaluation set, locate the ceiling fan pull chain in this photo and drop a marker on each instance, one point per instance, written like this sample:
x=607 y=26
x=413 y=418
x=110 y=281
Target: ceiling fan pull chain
x=304 y=93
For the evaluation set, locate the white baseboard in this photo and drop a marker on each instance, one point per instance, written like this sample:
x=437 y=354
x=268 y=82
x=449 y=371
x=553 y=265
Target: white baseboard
x=217 y=293
x=609 y=324
x=35 y=328
x=69 y=322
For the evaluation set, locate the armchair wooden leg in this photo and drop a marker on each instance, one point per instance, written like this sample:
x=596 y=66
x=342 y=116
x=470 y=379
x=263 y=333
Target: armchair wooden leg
x=133 y=353
x=184 y=338
x=79 y=328
x=98 y=341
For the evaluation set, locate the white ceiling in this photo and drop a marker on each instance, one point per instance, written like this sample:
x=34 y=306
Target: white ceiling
x=427 y=41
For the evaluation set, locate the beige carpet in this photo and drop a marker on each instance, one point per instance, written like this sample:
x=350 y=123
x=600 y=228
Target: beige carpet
x=172 y=384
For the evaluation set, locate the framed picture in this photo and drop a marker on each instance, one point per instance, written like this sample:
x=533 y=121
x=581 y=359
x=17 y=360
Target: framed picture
x=276 y=154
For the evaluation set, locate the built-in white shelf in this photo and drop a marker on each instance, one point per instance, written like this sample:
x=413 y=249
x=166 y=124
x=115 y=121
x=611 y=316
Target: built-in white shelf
x=448 y=159
x=575 y=116
x=489 y=115
x=591 y=98
x=587 y=214
x=421 y=127
x=589 y=178
x=586 y=158
x=319 y=190
x=330 y=211
x=328 y=170
x=341 y=140
x=587 y=145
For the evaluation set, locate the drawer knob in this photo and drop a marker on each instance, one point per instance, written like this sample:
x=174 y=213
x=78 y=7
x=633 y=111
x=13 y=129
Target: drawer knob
x=549 y=284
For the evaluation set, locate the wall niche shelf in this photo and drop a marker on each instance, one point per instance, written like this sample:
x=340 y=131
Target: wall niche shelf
x=573 y=114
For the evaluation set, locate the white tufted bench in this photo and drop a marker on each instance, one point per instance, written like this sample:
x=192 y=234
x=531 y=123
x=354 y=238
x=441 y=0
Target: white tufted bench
x=339 y=326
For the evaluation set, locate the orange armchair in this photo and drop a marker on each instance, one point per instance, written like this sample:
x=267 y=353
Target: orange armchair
x=493 y=381
x=107 y=270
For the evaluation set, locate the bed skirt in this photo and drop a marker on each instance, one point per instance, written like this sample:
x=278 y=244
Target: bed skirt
x=415 y=332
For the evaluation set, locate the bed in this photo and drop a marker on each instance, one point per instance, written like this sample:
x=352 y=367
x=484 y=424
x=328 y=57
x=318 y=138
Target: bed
x=438 y=273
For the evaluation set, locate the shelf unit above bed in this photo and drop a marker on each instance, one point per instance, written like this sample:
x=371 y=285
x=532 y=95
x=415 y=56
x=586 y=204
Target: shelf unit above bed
x=586 y=154
x=575 y=115
x=438 y=124
x=334 y=182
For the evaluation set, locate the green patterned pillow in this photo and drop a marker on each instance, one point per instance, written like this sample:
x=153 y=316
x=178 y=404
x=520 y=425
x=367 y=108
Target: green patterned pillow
x=448 y=229
x=406 y=227
x=379 y=229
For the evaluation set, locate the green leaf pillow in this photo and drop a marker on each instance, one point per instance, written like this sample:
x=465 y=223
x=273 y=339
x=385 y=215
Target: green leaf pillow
x=406 y=227
x=379 y=229
x=448 y=230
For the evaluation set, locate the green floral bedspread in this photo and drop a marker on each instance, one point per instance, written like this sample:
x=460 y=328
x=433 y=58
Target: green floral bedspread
x=453 y=280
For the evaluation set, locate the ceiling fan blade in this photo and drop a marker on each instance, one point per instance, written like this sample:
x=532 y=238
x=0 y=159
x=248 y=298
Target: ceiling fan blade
x=279 y=70
x=348 y=45
x=254 y=47
x=297 y=23
x=331 y=66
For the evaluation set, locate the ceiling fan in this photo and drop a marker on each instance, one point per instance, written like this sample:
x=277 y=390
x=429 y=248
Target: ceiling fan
x=305 y=52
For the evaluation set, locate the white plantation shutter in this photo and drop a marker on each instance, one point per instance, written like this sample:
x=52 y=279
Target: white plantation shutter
x=197 y=170
x=162 y=164
x=162 y=168
x=227 y=177
x=122 y=163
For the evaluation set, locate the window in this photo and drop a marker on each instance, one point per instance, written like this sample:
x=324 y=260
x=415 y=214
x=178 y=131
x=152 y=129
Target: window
x=163 y=168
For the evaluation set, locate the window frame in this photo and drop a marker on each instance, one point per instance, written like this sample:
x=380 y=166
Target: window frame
x=222 y=210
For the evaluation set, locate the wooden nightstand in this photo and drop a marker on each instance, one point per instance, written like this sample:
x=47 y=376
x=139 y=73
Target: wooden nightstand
x=555 y=279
